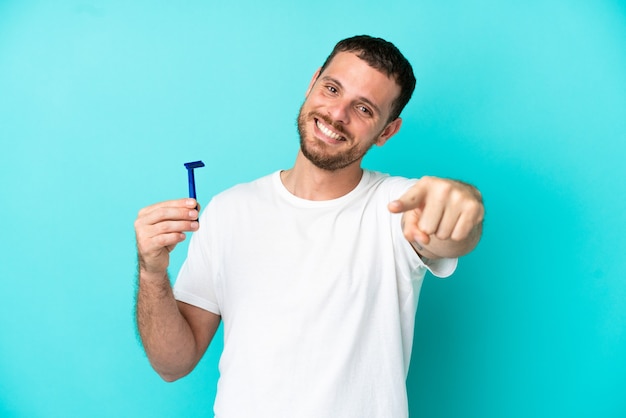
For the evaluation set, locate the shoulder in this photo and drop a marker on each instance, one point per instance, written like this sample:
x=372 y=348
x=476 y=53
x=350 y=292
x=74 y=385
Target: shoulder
x=387 y=184
x=248 y=193
x=248 y=188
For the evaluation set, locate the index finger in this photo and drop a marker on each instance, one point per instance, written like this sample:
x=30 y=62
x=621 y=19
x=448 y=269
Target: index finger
x=185 y=204
x=411 y=199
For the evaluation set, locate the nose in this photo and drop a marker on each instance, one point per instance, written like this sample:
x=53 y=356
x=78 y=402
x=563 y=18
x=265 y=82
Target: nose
x=339 y=112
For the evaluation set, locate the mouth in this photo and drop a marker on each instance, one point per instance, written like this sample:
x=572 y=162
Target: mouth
x=328 y=132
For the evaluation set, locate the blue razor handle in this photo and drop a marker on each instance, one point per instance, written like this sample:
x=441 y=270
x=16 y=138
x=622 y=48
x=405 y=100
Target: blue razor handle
x=190 y=177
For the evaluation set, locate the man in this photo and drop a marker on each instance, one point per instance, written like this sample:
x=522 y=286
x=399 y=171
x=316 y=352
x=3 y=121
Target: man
x=314 y=270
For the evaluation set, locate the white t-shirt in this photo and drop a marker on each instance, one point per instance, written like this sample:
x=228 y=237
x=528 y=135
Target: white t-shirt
x=317 y=298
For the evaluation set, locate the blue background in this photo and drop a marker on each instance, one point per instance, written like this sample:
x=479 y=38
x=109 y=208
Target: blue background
x=102 y=102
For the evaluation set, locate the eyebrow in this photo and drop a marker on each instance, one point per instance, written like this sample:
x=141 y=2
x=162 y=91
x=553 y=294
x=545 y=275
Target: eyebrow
x=361 y=98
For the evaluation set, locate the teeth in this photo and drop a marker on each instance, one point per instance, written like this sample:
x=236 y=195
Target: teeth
x=327 y=131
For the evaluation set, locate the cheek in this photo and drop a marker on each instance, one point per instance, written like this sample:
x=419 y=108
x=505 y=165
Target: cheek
x=371 y=133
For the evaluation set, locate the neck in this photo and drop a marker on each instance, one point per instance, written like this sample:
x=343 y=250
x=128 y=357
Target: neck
x=310 y=182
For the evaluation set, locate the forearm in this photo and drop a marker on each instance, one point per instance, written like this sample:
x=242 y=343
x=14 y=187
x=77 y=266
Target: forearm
x=166 y=336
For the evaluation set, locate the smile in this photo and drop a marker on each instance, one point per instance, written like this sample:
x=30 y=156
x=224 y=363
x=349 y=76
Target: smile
x=329 y=133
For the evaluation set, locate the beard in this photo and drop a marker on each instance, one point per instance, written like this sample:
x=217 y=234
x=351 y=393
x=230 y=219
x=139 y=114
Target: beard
x=321 y=154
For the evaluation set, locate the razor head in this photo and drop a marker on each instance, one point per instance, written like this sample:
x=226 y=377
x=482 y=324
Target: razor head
x=194 y=164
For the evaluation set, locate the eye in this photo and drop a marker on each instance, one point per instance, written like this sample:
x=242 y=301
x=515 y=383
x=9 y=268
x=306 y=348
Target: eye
x=364 y=110
x=331 y=89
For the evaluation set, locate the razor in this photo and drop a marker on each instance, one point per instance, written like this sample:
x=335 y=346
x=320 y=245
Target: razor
x=190 y=177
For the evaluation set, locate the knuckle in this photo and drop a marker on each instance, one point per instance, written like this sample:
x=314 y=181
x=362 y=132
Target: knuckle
x=455 y=197
x=442 y=235
x=162 y=227
x=161 y=241
x=426 y=227
x=475 y=209
x=445 y=187
x=459 y=234
x=145 y=211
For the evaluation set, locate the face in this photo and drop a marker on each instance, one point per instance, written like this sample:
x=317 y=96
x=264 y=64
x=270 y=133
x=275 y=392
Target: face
x=346 y=112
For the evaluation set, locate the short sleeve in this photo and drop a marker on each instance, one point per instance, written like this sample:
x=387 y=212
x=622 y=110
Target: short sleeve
x=441 y=267
x=195 y=283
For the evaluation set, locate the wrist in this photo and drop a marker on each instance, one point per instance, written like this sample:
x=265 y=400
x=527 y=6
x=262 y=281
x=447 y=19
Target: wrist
x=153 y=276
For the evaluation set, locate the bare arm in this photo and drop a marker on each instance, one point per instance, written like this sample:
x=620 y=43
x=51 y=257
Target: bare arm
x=175 y=335
x=441 y=217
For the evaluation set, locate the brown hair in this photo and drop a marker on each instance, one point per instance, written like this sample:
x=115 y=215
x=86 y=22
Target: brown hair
x=383 y=56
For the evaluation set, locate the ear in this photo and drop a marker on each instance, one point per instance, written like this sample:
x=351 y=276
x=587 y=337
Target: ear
x=390 y=130
x=313 y=80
